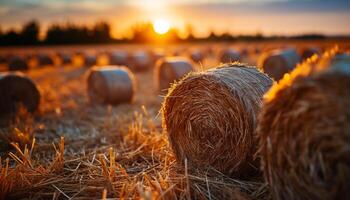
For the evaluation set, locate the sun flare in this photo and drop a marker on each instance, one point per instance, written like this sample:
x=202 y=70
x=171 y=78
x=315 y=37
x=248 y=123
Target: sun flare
x=161 y=26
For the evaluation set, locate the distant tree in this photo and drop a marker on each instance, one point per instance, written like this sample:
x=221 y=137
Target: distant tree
x=30 y=33
x=101 y=32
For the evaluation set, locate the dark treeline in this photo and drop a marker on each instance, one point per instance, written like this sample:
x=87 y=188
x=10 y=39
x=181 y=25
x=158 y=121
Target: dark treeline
x=100 y=33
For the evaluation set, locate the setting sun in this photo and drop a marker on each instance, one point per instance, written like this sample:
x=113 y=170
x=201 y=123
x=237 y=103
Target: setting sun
x=161 y=26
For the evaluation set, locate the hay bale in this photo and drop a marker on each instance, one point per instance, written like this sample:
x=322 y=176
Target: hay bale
x=309 y=51
x=45 y=60
x=279 y=62
x=196 y=56
x=111 y=85
x=118 y=58
x=304 y=131
x=17 y=64
x=17 y=90
x=229 y=55
x=210 y=118
x=171 y=69
x=140 y=61
x=65 y=58
x=90 y=60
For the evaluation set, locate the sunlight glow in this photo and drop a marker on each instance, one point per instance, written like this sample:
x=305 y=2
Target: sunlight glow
x=161 y=26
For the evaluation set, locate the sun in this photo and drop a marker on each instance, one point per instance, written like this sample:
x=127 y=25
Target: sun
x=161 y=26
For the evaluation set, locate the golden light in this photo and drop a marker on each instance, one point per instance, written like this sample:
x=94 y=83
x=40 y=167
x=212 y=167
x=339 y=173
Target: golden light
x=161 y=26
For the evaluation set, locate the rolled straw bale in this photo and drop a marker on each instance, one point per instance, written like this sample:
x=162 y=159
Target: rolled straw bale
x=229 y=55
x=65 y=58
x=171 y=69
x=17 y=64
x=156 y=55
x=118 y=58
x=17 y=90
x=196 y=56
x=210 y=118
x=304 y=132
x=44 y=60
x=279 y=62
x=90 y=60
x=140 y=61
x=111 y=84
x=309 y=51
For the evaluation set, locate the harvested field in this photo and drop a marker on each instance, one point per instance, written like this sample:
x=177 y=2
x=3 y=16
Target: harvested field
x=72 y=149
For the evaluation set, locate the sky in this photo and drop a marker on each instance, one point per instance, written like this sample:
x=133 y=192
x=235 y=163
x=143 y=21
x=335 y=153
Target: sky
x=270 y=17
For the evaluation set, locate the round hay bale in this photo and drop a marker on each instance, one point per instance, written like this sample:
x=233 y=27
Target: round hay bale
x=210 y=118
x=196 y=56
x=229 y=56
x=304 y=133
x=118 y=58
x=65 y=58
x=17 y=64
x=111 y=85
x=17 y=90
x=309 y=51
x=169 y=70
x=279 y=62
x=157 y=54
x=140 y=61
x=44 y=60
x=90 y=60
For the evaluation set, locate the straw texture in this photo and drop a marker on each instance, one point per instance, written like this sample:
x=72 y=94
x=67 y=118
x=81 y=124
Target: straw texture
x=210 y=118
x=304 y=131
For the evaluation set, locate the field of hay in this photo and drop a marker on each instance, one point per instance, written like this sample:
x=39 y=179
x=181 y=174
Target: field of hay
x=73 y=149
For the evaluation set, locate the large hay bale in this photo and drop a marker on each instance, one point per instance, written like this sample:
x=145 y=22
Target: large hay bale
x=229 y=55
x=140 y=61
x=279 y=62
x=171 y=69
x=118 y=58
x=17 y=64
x=45 y=60
x=304 y=131
x=210 y=118
x=111 y=84
x=17 y=90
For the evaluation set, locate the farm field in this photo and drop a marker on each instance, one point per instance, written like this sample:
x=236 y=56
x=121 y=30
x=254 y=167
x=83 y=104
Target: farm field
x=71 y=148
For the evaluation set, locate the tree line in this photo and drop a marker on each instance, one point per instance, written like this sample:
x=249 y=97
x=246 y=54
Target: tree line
x=100 y=32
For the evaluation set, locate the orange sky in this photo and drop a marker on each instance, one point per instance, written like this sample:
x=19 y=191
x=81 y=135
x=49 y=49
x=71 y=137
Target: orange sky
x=236 y=16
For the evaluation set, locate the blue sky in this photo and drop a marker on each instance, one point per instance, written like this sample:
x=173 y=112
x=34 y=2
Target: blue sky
x=237 y=16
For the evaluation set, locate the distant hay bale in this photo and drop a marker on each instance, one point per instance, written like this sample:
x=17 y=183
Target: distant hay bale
x=17 y=64
x=169 y=70
x=111 y=85
x=65 y=58
x=309 y=51
x=210 y=118
x=229 y=55
x=17 y=90
x=90 y=60
x=196 y=56
x=118 y=58
x=304 y=131
x=279 y=62
x=45 y=60
x=140 y=61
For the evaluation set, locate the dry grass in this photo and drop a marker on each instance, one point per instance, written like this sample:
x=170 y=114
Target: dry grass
x=70 y=149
